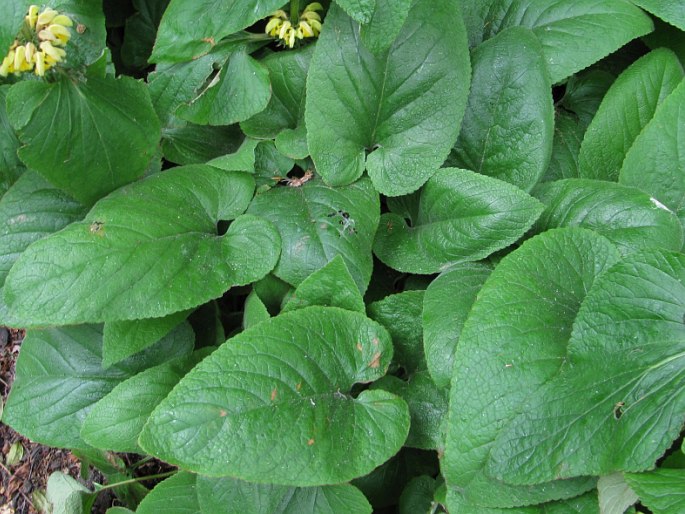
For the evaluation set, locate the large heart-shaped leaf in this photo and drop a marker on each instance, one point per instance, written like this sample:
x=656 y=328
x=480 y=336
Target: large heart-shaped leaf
x=563 y=27
x=626 y=216
x=59 y=378
x=622 y=375
x=181 y=38
x=385 y=24
x=508 y=127
x=514 y=340
x=115 y=422
x=318 y=222
x=141 y=252
x=446 y=305
x=462 y=216
x=627 y=107
x=88 y=138
x=656 y=163
x=273 y=404
x=403 y=105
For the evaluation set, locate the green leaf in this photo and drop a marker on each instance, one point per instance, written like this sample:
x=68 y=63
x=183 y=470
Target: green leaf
x=417 y=497
x=293 y=142
x=514 y=340
x=239 y=91
x=622 y=376
x=187 y=143
x=626 y=216
x=115 y=422
x=279 y=410
x=175 y=495
x=427 y=408
x=403 y=106
x=331 y=286
x=655 y=163
x=229 y=496
x=317 y=222
x=10 y=165
x=255 y=311
x=568 y=135
x=614 y=494
x=359 y=10
x=462 y=216
x=288 y=76
x=627 y=107
x=508 y=127
x=87 y=138
x=668 y=11
x=181 y=38
x=122 y=339
x=59 y=378
x=385 y=24
x=243 y=159
x=141 y=252
x=31 y=209
x=400 y=314
x=446 y=305
x=660 y=490
x=564 y=29
x=67 y=496
x=667 y=36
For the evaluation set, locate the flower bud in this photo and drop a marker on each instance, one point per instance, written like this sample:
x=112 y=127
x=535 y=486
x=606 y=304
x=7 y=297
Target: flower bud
x=46 y=17
x=50 y=51
x=32 y=16
x=39 y=59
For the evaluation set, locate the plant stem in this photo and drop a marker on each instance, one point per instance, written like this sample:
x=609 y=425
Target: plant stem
x=141 y=462
x=294 y=11
x=138 y=479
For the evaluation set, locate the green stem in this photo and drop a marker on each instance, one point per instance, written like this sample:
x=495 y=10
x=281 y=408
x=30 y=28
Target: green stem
x=141 y=462
x=294 y=12
x=138 y=479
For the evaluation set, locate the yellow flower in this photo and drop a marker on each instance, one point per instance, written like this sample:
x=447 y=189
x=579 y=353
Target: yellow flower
x=54 y=53
x=63 y=20
x=60 y=33
x=282 y=28
x=45 y=17
x=39 y=59
x=32 y=16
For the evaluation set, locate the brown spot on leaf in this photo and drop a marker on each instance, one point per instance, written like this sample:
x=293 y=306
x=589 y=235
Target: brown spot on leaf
x=298 y=386
x=80 y=28
x=359 y=347
x=209 y=40
x=618 y=410
x=375 y=341
x=274 y=392
x=97 y=228
x=223 y=413
x=376 y=361
x=310 y=442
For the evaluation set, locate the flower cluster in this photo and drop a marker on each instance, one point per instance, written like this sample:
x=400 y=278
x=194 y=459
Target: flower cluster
x=40 y=44
x=309 y=25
